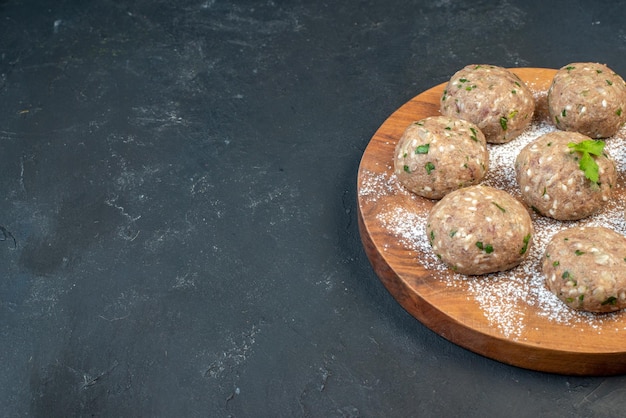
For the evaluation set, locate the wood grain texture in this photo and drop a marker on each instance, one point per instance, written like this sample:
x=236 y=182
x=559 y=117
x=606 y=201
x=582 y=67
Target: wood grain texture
x=545 y=344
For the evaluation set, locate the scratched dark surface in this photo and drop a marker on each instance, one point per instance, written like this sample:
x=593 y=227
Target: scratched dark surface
x=177 y=206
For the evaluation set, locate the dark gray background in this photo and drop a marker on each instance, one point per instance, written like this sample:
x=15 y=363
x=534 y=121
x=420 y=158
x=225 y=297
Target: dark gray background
x=180 y=181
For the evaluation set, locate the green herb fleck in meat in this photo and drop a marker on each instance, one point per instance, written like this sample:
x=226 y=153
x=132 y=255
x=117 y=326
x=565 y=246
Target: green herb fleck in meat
x=453 y=233
x=609 y=82
x=525 y=247
x=565 y=275
x=429 y=167
x=618 y=112
x=569 y=68
x=611 y=300
x=555 y=264
x=578 y=252
x=564 y=113
x=499 y=207
x=407 y=169
x=488 y=248
x=473 y=135
x=503 y=122
x=422 y=149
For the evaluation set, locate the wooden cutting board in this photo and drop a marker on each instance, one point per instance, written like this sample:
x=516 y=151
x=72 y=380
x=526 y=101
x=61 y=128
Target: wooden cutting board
x=516 y=331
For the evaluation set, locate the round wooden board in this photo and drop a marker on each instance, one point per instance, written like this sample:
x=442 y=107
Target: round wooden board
x=541 y=343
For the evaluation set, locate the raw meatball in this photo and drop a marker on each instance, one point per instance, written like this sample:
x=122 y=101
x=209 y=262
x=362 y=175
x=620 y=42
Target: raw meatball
x=552 y=183
x=586 y=268
x=493 y=98
x=588 y=98
x=479 y=230
x=439 y=154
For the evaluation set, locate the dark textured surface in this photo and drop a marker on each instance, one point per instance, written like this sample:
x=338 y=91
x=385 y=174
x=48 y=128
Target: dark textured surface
x=177 y=191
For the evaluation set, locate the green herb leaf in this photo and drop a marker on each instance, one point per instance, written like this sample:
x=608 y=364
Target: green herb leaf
x=453 y=233
x=587 y=164
x=592 y=146
x=429 y=167
x=422 y=149
x=565 y=275
x=555 y=264
x=590 y=167
x=407 y=169
x=578 y=252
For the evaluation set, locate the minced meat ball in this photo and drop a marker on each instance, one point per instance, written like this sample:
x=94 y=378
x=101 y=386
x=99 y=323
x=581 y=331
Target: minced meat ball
x=585 y=267
x=479 y=229
x=493 y=98
x=589 y=98
x=439 y=154
x=552 y=181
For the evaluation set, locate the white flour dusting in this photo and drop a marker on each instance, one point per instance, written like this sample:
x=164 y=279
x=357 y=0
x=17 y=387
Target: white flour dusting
x=501 y=294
